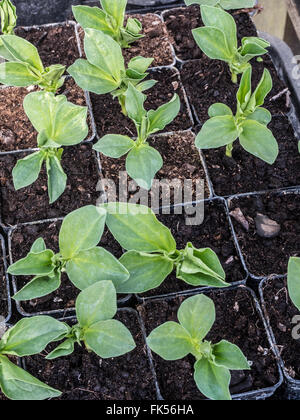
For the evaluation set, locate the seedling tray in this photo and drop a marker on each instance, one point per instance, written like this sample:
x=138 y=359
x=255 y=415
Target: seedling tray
x=5 y=302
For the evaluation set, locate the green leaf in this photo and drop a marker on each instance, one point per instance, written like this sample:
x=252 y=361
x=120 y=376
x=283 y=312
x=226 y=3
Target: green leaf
x=64 y=349
x=264 y=88
x=218 y=18
x=142 y=164
x=17 y=384
x=39 y=287
x=38 y=246
x=294 y=281
x=213 y=381
x=4 y=53
x=134 y=104
x=170 y=341
x=237 y=4
x=61 y=121
x=140 y=64
x=96 y=303
x=105 y=53
x=261 y=115
x=201 y=2
x=146 y=85
x=244 y=92
x=93 y=18
x=32 y=335
x=8 y=16
x=94 y=265
x=57 y=179
x=136 y=228
x=219 y=110
x=229 y=356
x=253 y=47
x=81 y=230
x=114 y=145
x=27 y=170
x=33 y=265
x=197 y=315
x=116 y=9
x=258 y=140
x=109 y=339
x=213 y=43
x=164 y=115
x=17 y=74
x=23 y=51
x=217 y=132
x=92 y=78
x=147 y=271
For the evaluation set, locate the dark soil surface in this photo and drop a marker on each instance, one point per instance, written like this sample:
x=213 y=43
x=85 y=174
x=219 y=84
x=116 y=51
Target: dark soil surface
x=32 y=203
x=234 y=308
x=85 y=376
x=3 y=289
x=209 y=81
x=56 y=45
x=245 y=173
x=21 y=242
x=110 y=120
x=181 y=162
x=213 y=233
x=265 y=257
x=281 y=312
x=156 y=43
x=180 y=23
x=16 y=131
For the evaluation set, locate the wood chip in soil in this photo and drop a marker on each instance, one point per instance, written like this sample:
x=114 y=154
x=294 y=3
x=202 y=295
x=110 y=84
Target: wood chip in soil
x=213 y=233
x=180 y=22
x=245 y=173
x=110 y=120
x=85 y=376
x=234 y=308
x=181 y=162
x=16 y=130
x=56 y=45
x=282 y=313
x=269 y=256
x=32 y=203
x=64 y=298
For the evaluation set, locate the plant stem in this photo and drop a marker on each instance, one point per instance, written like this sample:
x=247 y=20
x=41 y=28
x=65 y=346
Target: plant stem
x=122 y=103
x=229 y=149
x=234 y=78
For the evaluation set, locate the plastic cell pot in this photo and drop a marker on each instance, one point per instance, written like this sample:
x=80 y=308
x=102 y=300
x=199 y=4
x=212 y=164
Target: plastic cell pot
x=5 y=301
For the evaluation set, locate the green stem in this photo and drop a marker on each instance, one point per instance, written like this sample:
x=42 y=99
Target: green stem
x=234 y=78
x=229 y=149
x=122 y=100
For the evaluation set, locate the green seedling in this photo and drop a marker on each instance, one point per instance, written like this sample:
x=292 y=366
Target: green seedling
x=173 y=341
x=110 y=20
x=8 y=17
x=143 y=161
x=59 y=123
x=104 y=70
x=224 y=4
x=152 y=253
x=294 y=281
x=79 y=257
x=218 y=40
x=249 y=125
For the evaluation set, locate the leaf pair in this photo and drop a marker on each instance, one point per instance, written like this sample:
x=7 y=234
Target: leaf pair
x=59 y=123
x=218 y=40
x=294 y=281
x=173 y=341
x=107 y=337
x=24 y=66
x=143 y=161
x=8 y=17
x=110 y=20
x=224 y=4
x=84 y=262
x=104 y=70
x=28 y=337
x=249 y=124
x=152 y=253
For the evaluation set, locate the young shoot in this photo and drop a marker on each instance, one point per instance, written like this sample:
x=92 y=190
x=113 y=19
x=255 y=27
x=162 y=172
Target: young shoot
x=173 y=341
x=8 y=17
x=224 y=4
x=28 y=337
x=24 y=66
x=218 y=40
x=294 y=281
x=59 y=123
x=104 y=70
x=110 y=20
x=107 y=337
x=249 y=125
x=79 y=257
x=152 y=252
x=143 y=161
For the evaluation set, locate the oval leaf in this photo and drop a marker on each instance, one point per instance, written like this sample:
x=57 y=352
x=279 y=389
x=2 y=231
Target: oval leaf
x=114 y=145
x=217 y=132
x=213 y=381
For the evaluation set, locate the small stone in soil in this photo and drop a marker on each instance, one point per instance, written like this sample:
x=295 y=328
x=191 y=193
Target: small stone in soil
x=240 y=218
x=266 y=228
